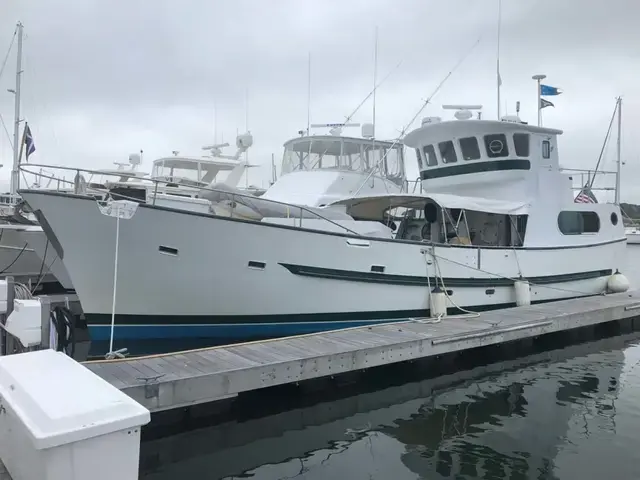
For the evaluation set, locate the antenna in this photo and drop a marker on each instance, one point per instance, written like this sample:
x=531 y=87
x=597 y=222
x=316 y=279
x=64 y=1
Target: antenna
x=215 y=122
x=424 y=105
x=375 y=79
x=309 y=94
x=618 y=152
x=246 y=125
x=498 y=78
x=15 y=171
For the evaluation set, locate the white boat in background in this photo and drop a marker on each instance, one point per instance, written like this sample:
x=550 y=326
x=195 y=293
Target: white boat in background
x=252 y=267
x=633 y=235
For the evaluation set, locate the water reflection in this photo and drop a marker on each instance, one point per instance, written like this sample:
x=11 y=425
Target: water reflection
x=524 y=419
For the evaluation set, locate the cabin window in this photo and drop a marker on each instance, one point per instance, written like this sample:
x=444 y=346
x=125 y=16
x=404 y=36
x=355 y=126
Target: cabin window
x=447 y=152
x=430 y=156
x=577 y=223
x=521 y=142
x=470 y=148
x=419 y=158
x=546 y=149
x=496 y=145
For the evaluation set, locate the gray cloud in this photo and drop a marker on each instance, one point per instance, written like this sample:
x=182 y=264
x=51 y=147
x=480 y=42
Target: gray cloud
x=103 y=79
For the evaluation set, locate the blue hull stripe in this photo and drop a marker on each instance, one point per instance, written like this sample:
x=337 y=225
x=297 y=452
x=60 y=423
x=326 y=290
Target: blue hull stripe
x=228 y=331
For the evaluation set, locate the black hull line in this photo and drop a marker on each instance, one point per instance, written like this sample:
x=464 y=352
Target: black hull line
x=411 y=280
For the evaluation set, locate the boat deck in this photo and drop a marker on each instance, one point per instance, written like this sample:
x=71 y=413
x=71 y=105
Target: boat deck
x=164 y=382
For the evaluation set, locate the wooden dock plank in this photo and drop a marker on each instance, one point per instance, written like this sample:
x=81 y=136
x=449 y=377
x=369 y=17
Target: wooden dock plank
x=188 y=378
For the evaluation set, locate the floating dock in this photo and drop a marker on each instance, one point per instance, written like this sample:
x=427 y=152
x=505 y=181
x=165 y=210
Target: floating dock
x=169 y=381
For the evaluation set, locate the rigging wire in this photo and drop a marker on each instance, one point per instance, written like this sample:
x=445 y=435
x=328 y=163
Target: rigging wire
x=604 y=145
x=4 y=64
x=6 y=57
x=350 y=116
x=413 y=119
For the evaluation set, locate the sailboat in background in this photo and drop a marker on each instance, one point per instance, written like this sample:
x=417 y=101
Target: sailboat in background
x=17 y=258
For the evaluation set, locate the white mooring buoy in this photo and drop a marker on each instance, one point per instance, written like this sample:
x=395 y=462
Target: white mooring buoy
x=617 y=283
x=523 y=293
x=439 y=302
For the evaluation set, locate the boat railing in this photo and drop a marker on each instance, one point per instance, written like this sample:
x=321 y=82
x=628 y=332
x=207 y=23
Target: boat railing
x=156 y=187
x=413 y=186
x=600 y=179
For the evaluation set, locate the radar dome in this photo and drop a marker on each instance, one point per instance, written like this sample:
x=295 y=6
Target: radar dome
x=244 y=141
x=135 y=159
x=368 y=130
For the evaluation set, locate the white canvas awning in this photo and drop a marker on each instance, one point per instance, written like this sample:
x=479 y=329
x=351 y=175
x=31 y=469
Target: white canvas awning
x=373 y=207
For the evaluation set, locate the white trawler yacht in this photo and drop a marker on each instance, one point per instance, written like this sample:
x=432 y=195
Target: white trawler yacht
x=250 y=267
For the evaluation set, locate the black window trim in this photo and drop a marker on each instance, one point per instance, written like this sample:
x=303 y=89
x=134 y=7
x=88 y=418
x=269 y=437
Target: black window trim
x=581 y=213
x=419 y=158
x=426 y=157
x=453 y=146
x=515 y=145
x=479 y=157
x=505 y=145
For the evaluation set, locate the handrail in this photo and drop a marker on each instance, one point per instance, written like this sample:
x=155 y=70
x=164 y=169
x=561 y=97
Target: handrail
x=155 y=182
x=585 y=170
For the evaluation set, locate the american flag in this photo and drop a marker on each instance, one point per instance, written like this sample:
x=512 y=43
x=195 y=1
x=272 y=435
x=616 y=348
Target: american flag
x=586 y=196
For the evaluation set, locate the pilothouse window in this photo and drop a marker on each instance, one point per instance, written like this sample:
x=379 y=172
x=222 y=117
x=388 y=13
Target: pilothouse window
x=496 y=145
x=344 y=154
x=521 y=142
x=447 y=152
x=419 y=158
x=577 y=223
x=470 y=148
x=546 y=149
x=430 y=156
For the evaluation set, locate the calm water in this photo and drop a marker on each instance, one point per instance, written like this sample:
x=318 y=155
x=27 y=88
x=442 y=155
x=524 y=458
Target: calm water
x=569 y=413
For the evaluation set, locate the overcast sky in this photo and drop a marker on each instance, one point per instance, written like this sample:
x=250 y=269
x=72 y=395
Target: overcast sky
x=106 y=78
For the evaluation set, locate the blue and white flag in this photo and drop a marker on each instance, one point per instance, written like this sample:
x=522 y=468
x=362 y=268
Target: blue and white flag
x=548 y=91
x=28 y=142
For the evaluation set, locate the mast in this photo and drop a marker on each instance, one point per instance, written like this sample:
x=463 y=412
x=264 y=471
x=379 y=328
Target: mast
x=15 y=174
x=618 y=152
x=246 y=124
x=309 y=95
x=498 y=78
x=539 y=79
x=375 y=80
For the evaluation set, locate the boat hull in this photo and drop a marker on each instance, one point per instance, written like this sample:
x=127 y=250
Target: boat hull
x=184 y=274
x=22 y=250
x=633 y=238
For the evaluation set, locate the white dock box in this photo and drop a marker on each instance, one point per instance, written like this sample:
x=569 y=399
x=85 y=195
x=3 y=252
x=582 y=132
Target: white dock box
x=60 y=421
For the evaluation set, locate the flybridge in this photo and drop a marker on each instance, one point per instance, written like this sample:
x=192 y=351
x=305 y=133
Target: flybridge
x=335 y=129
x=465 y=112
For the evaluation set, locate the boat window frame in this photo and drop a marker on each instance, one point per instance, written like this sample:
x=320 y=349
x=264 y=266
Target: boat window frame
x=500 y=137
x=420 y=159
x=546 y=149
x=450 y=151
x=584 y=217
x=427 y=156
x=475 y=152
x=527 y=144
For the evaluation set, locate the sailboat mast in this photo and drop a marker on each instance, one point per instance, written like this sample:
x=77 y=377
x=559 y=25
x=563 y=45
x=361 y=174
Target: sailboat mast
x=15 y=174
x=498 y=77
x=375 y=79
x=618 y=152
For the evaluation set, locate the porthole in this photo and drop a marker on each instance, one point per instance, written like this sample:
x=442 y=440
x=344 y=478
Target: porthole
x=614 y=218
